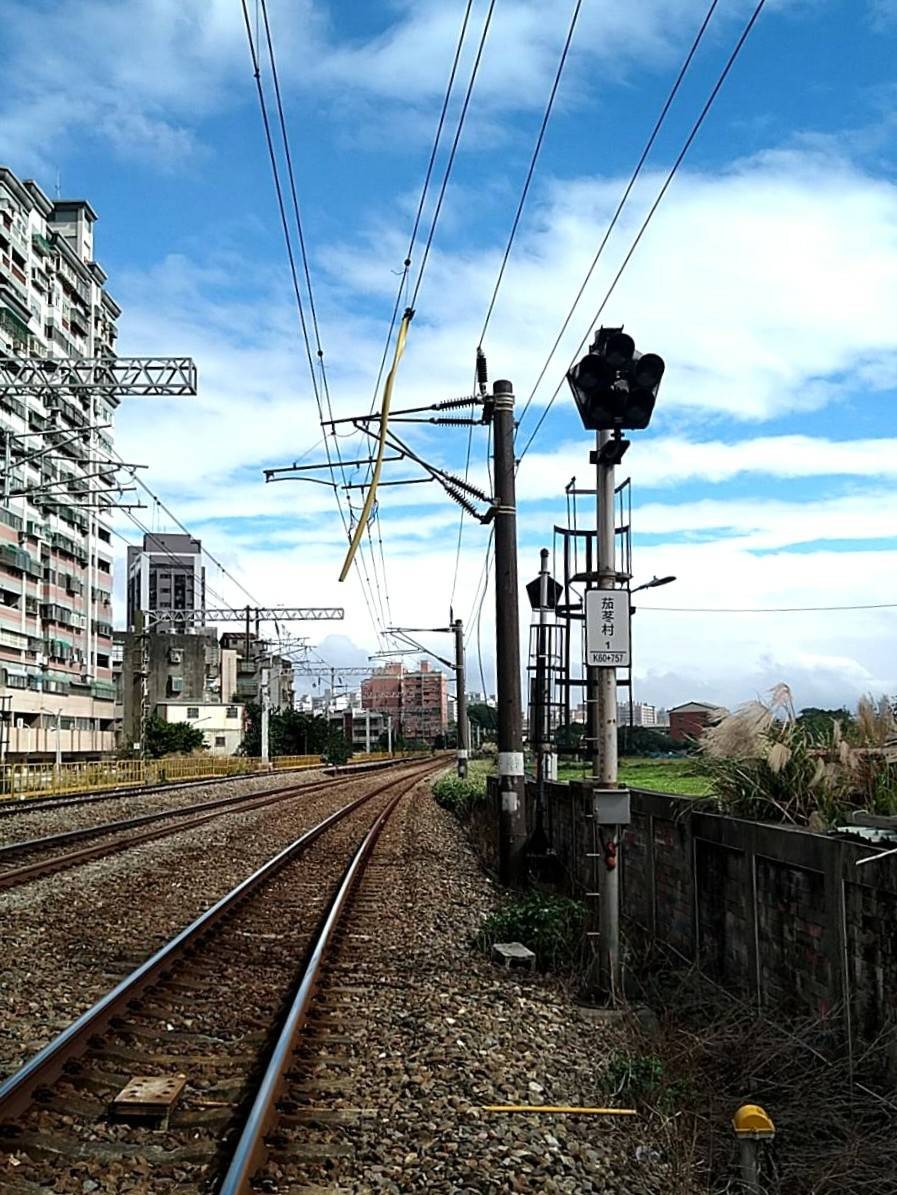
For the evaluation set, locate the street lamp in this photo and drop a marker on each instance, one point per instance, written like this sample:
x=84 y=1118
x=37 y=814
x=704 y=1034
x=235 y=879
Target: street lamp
x=654 y=583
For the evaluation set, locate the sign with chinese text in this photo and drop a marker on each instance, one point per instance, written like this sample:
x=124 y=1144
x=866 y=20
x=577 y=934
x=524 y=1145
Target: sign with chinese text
x=607 y=628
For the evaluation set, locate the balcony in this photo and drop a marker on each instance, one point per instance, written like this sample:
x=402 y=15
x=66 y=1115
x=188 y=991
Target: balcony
x=41 y=245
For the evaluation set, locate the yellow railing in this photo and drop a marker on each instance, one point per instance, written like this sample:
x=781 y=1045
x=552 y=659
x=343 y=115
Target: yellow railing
x=296 y=761
x=47 y=779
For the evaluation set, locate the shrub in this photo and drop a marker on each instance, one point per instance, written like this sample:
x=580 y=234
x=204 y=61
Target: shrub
x=551 y=926
x=457 y=795
x=643 y=1079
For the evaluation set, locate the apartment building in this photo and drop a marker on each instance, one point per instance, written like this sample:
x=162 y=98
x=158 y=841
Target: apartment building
x=55 y=541
x=166 y=573
x=417 y=701
x=642 y=714
x=249 y=667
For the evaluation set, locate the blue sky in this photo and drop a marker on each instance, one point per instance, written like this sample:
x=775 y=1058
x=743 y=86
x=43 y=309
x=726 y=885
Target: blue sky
x=768 y=281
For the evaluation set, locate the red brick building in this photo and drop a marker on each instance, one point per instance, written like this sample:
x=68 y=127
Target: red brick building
x=417 y=702
x=688 y=721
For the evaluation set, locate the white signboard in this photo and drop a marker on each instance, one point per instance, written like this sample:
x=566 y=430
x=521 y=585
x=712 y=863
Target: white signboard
x=607 y=628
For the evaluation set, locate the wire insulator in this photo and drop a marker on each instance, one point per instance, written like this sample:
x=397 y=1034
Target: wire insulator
x=449 y=404
x=454 y=421
x=482 y=371
x=466 y=486
x=462 y=501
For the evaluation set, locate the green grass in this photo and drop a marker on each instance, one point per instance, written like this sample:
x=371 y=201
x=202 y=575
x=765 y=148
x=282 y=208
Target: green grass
x=682 y=776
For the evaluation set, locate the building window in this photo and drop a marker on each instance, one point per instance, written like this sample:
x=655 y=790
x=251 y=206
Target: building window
x=219 y=740
x=232 y=711
x=192 y=711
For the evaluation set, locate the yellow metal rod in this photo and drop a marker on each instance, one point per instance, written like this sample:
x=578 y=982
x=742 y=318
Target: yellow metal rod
x=562 y=1108
x=381 y=445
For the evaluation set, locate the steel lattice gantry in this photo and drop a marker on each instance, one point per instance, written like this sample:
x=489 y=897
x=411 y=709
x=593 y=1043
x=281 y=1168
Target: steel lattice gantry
x=128 y=376
x=255 y=614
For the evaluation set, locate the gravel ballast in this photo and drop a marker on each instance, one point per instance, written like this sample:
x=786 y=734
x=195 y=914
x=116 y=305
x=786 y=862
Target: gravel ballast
x=25 y=822
x=440 y=1032
x=68 y=938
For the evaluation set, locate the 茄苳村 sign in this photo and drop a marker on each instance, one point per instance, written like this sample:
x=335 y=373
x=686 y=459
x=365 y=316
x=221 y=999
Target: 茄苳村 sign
x=607 y=628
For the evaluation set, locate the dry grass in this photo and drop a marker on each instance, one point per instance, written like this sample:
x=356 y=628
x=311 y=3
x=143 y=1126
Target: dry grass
x=832 y=1137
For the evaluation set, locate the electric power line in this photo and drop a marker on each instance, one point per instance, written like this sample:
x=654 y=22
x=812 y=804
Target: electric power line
x=507 y=253
x=272 y=156
x=766 y=609
x=654 y=206
x=451 y=158
x=532 y=166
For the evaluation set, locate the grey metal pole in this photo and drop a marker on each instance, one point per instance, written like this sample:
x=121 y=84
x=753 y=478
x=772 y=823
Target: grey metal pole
x=461 y=700
x=749 y=1165
x=604 y=768
x=265 y=696
x=389 y=733
x=58 y=742
x=512 y=823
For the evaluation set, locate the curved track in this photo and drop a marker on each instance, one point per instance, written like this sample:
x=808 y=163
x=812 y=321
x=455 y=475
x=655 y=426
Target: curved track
x=205 y=1010
x=31 y=859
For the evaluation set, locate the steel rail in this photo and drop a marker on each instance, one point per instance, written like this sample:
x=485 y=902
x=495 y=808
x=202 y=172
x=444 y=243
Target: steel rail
x=20 y=1089
x=53 y=864
x=202 y=812
x=9 y=806
x=252 y=1147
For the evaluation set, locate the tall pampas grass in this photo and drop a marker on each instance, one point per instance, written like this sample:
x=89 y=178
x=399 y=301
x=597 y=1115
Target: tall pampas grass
x=768 y=765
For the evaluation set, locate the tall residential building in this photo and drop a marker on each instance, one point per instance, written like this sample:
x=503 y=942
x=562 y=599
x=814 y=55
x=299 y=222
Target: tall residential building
x=642 y=714
x=417 y=702
x=55 y=539
x=167 y=573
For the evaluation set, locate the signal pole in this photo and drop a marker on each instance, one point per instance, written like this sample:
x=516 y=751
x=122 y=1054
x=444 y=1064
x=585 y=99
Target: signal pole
x=461 y=700
x=604 y=757
x=512 y=816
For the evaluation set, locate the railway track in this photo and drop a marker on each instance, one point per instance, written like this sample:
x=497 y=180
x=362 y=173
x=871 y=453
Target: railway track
x=26 y=860
x=12 y=806
x=196 y=1027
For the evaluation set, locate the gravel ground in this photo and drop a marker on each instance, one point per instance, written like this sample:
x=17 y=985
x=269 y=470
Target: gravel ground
x=34 y=823
x=444 y=1032
x=69 y=937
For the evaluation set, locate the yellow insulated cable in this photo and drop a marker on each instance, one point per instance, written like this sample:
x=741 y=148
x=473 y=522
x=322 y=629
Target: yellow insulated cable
x=561 y=1109
x=381 y=444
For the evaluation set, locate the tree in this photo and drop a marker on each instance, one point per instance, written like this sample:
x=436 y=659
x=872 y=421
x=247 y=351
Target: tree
x=291 y=732
x=485 y=716
x=819 y=722
x=172 y=738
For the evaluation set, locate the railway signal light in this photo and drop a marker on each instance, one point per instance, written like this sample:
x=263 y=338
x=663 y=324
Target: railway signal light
x=614 y=386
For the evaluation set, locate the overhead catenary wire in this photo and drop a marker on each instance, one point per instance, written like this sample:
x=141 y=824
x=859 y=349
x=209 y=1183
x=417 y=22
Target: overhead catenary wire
x=366 y=587
x=624 y=198
x=319 y=349
x=537 y=148
x=440 y=124
x=437 y=211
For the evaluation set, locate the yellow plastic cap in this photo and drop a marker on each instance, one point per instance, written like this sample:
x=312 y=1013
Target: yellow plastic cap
x=751 y=1120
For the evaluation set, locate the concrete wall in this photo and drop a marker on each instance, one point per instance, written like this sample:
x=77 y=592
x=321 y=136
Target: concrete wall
x=781 y=917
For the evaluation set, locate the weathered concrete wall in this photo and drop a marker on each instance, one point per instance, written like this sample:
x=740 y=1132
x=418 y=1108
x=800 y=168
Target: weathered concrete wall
x=780 y=916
